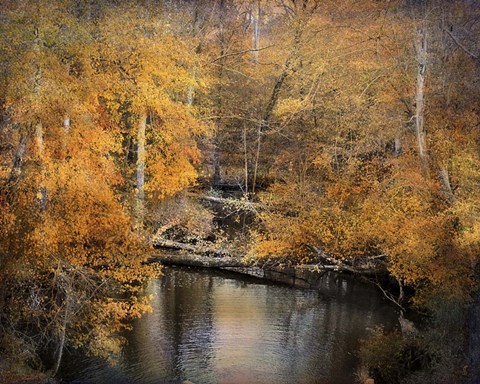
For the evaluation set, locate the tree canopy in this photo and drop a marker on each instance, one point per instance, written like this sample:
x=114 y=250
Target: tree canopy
x=354 y=124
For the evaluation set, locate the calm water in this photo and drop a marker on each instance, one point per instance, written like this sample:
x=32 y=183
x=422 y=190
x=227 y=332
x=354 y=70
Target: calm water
x=211 y=327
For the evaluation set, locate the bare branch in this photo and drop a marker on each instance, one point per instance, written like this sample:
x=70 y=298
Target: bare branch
x=241 y=52
x=465 y=49
x=388 y=295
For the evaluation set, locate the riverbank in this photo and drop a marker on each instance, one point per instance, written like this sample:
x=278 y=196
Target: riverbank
x=227 y=212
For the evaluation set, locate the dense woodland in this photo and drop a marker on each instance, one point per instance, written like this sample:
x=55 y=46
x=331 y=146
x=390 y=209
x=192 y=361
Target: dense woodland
x=353 y=125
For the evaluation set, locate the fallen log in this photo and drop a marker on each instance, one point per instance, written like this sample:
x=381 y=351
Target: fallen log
x=193 y=260
x=239 y=204
x=204 y=256
x=215 y=199
x=304 y=276
x=193 y=248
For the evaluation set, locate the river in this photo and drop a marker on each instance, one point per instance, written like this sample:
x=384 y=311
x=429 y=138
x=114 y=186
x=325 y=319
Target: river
x=216 y=327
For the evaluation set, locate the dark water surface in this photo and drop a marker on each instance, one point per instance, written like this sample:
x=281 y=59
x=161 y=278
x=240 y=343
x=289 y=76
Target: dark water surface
x=211 y=327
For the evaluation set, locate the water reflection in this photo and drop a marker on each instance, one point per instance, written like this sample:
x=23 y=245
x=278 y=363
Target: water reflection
x=212 y=328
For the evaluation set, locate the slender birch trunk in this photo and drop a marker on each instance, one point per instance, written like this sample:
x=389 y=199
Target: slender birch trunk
x=66 y=132
x=256 y=32
x=40 y=147
x=62 y=339
x=421 y=56
x=257 y=156
x=64 y=327
x=141 y=154
x=38 y=133
x=245 y=157
x=217 y=175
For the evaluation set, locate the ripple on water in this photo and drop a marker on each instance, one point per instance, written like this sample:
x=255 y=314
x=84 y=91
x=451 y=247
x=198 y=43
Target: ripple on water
x=211 y=328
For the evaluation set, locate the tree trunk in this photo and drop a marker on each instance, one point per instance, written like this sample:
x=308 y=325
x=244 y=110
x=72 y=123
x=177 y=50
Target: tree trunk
x=39 y=140
x=140 y=195
x=245 y=157
x=256 y=32
x=216 y=177
x=40 y=147
x=216 y=164
x=66 y=124
x=63 y=331
x=446 y=186
x=407 y=327
x=66 y=131
x=421 y=55
x=265 y=121
x=18 y=161
x=398 y=146
x=257 y=157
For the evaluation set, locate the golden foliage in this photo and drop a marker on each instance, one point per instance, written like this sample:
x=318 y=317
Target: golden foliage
x=347 y=177
x=70 y=257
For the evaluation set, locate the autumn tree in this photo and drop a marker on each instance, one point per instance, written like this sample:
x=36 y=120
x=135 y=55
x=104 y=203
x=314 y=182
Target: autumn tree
x=67 y=245
x=146 y=75
x=358 y=174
